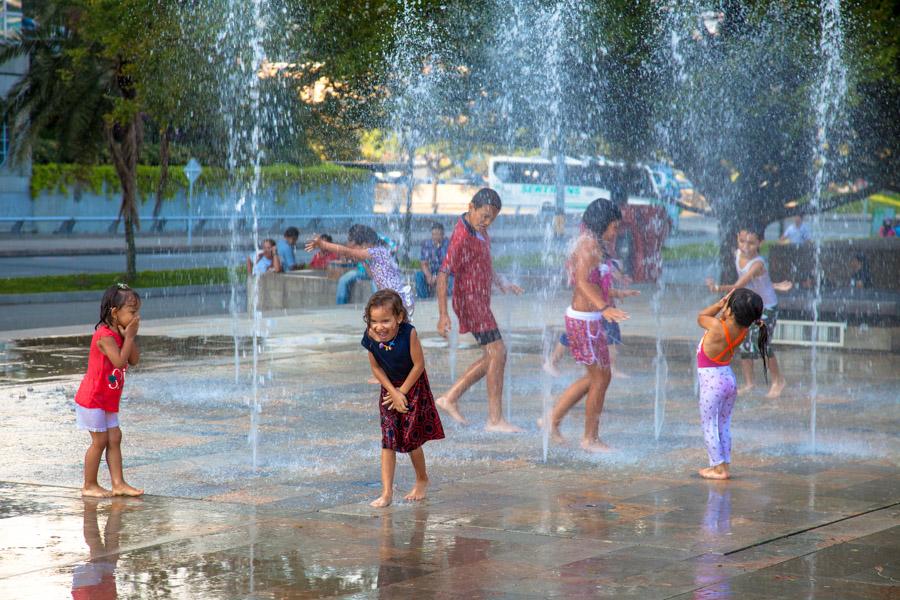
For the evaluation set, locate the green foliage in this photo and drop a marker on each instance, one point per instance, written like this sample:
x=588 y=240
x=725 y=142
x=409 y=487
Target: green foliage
x=51 y=178
x=101 y=281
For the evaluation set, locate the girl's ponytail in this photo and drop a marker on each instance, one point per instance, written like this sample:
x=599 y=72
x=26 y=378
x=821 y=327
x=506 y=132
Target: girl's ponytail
x=762 y=344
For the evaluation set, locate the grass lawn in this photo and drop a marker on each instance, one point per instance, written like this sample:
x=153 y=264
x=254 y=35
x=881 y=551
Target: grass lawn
x=100 y=281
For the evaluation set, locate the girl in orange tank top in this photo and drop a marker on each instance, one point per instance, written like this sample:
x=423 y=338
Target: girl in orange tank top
x=726 y=323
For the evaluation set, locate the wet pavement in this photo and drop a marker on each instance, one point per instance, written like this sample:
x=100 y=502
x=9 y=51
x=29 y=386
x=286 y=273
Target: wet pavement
x=797 y=521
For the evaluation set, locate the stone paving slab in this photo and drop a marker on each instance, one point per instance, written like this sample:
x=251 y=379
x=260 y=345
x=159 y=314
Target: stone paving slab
x=507 y=517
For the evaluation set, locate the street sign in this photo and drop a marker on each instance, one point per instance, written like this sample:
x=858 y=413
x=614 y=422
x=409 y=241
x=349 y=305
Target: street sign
x=192 y=170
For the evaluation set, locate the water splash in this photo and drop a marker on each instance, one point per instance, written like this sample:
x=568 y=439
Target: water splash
x=660 y=362
x=829 y=91
x=548 y=341
x=243 y=30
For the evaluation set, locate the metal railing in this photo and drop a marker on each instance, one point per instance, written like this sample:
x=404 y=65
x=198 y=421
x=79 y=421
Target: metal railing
x=810 y=333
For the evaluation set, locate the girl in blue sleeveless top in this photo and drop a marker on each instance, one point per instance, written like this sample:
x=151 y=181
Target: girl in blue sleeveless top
x=408 y=415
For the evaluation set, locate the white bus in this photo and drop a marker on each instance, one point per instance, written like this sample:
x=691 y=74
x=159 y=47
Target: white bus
x=528 y=184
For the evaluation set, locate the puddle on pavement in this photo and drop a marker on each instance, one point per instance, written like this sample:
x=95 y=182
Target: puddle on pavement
x=48 y=358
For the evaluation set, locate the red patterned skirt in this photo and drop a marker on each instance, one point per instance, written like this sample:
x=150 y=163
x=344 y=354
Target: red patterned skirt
x=406 y=432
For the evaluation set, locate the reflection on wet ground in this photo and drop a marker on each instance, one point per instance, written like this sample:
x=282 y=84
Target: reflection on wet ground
x=499 y=523
x=55 y=357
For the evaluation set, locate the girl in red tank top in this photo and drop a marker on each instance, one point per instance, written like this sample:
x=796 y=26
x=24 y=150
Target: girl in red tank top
x=726 y=324
x=113 y=349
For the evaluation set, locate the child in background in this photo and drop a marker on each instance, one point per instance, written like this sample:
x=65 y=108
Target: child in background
x=753 y=275
x=408 y=415
x=266 y=260
x=113 y=349
x=468 y=261
x=726 y=323
x=322 y=258
x=584 y=327
x=364 y=244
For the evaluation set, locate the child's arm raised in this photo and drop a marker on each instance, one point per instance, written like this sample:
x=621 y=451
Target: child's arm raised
x=706 y=318
x=276 y=263
x=755 y=271
x=119 y=357
x=339 y=249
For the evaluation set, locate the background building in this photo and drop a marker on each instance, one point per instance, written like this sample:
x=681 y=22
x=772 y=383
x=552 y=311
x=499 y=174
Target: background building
x=14 y=181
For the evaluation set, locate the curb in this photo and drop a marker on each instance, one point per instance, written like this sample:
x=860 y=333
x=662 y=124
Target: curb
x=91 y=295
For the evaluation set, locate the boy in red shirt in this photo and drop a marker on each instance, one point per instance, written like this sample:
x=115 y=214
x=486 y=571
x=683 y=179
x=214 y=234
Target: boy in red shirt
x=469 y=261
x=321 y=258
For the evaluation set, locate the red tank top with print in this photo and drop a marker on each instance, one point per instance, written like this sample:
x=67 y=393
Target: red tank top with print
x=102 y=384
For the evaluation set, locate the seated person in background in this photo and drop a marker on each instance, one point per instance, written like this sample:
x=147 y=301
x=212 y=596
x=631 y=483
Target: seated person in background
x=797 y=233
x=859 y=272
x=432 y=257
x=321 y=258
x=887 y=228
x=267 y=260
x=286 y=249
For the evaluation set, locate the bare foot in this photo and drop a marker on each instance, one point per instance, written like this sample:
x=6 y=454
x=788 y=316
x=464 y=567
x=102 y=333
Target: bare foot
x=418 y=491
x=594 y=446
x=776 y=389
x=551 y=369
x=371 y=381
x=95 y=491
x=450 y=408
x=126 y=490
x=502 y=426
x=745 y=389
x=556 y=435
x=717 y=472
x=381 y=501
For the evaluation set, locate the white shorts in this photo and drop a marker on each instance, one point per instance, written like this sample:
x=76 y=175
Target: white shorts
x=95 y=419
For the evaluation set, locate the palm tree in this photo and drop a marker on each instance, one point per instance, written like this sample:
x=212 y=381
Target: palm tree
x=79 y=91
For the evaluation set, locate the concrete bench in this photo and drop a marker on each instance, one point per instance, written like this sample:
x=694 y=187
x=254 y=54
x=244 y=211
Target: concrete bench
x=797 y=263
x=303 y=289
x=870 y=306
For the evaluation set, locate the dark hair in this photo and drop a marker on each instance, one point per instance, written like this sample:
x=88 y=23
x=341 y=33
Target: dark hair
x=759 y=232
x=747 y=308
x=363 y=235
x=326 y=237
x=386 y=297
x=598 y=216
x=487 y=196
x=437 y=225
x=270 y=240
x=116 y=296
x=291 y=232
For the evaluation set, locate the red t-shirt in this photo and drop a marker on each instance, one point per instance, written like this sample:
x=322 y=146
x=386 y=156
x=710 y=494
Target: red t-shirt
x=321 y=259
x=102 y=384
x=469 y=261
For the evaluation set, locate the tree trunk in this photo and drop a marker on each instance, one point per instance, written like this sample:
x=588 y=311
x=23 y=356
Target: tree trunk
x=164 y=140
x=727 y=244
x=434 y=188
x=124 y=145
